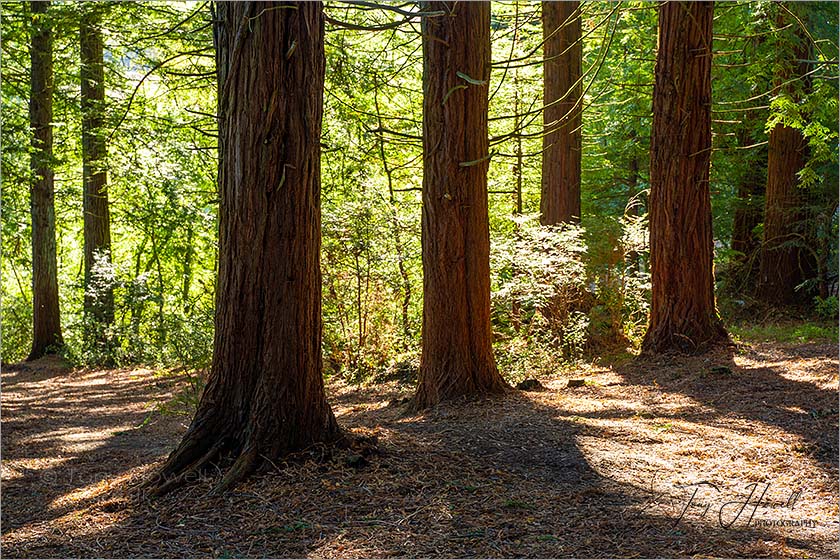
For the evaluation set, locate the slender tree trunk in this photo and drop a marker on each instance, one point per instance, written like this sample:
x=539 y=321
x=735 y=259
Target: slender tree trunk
x=395 y=223
x=516 y=308
x=683 y=315
x=783 y=264
x=45 y=313
x=635 y=206
x=99 y=294
x=457 y=353
x=265 y=396
x=560 y=197
x=748 y=210
x=187 y=273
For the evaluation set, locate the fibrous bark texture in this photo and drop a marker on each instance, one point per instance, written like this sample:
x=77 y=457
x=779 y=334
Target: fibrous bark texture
x=457 y=354
x=562 y=90
x=99 y=295
x=265 y=395
x=781 y=270
x=45 y=313
x=784 y=264
x=683 y=315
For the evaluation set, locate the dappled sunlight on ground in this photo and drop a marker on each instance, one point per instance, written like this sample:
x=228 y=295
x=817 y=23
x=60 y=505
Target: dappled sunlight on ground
x=729 y=454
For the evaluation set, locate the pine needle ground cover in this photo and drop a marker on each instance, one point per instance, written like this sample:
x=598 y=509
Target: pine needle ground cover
x=730 y=454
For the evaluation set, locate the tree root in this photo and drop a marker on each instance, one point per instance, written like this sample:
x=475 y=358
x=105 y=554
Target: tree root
x=173 y=474
x=244 y=465
x=167 y=480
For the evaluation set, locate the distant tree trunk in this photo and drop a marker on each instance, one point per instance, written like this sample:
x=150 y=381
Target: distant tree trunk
x=265 y=395
x=683 y=315
x=457 y=353
x=781 y=270
x=748 y=210
x=783 y=266
x=45 y=313
x=99 y=295
x=560 y=197
x=395 y=222
x=635 y=206
x=187 y=271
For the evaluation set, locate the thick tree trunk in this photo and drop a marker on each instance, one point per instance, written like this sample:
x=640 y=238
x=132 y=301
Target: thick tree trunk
x=457 y=353
x=265 y=395
x=45 y=313
x=99 y=295
x=683 y=315
x=561 y=165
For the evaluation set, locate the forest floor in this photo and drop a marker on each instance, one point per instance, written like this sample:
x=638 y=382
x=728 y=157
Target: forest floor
x=606 y=469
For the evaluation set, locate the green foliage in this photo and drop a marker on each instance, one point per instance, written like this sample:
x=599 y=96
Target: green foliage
x=539 y=296
x=557 y=293
x=826 y=308
x=788 y=332
x=618 y=265
x=161 y=181
x=553 y=302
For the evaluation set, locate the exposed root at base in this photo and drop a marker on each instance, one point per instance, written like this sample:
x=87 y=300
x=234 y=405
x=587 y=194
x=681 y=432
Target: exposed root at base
x=248 y=461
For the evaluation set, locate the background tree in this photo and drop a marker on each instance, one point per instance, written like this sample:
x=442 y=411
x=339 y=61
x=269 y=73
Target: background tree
x=683 y=314
x=99 y=294
x=161 y=133
x=265 y=394
x=749 y=211
x=457 y=352
x=784 y=264
x=562 y=98
x=46 y=320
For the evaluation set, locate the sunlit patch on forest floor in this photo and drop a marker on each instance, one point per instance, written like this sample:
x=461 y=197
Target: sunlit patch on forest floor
x=606 y=469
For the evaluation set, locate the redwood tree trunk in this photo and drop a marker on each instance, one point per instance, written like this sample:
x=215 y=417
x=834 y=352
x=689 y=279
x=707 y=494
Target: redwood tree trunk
x=265 y=395
x=45 y=314
x=562 y=52
x=99 y=295
x=783 y=265
x=457 y=353
x=683 y=315
x=781 y=270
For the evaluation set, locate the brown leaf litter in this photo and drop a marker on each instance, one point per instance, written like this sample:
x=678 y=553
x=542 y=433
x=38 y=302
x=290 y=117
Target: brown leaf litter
x=731 y=454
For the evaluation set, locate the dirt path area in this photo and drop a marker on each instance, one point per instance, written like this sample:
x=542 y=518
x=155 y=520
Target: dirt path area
x=730 y=454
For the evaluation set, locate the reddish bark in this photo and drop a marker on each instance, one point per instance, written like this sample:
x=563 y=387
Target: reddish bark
x=99 y=307
x=784 y=265
x=265 y=395
x=457 y=353
x=683 y=315
x=562 y=90
x=45 y=313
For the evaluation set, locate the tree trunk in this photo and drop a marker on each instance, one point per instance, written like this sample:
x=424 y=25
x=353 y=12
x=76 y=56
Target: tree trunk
x=783 y=265
x=781 y=270
x=395 y=223
x=457 y=353
x=748 y=211
x=45 y=313
x=560 y=197
x=99 y=293
x=683 y=315
x=265 y=395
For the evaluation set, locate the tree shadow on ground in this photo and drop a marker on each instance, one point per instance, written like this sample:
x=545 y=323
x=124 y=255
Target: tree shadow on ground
x=485 y=478
x=69 y=433
x=777 y=386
